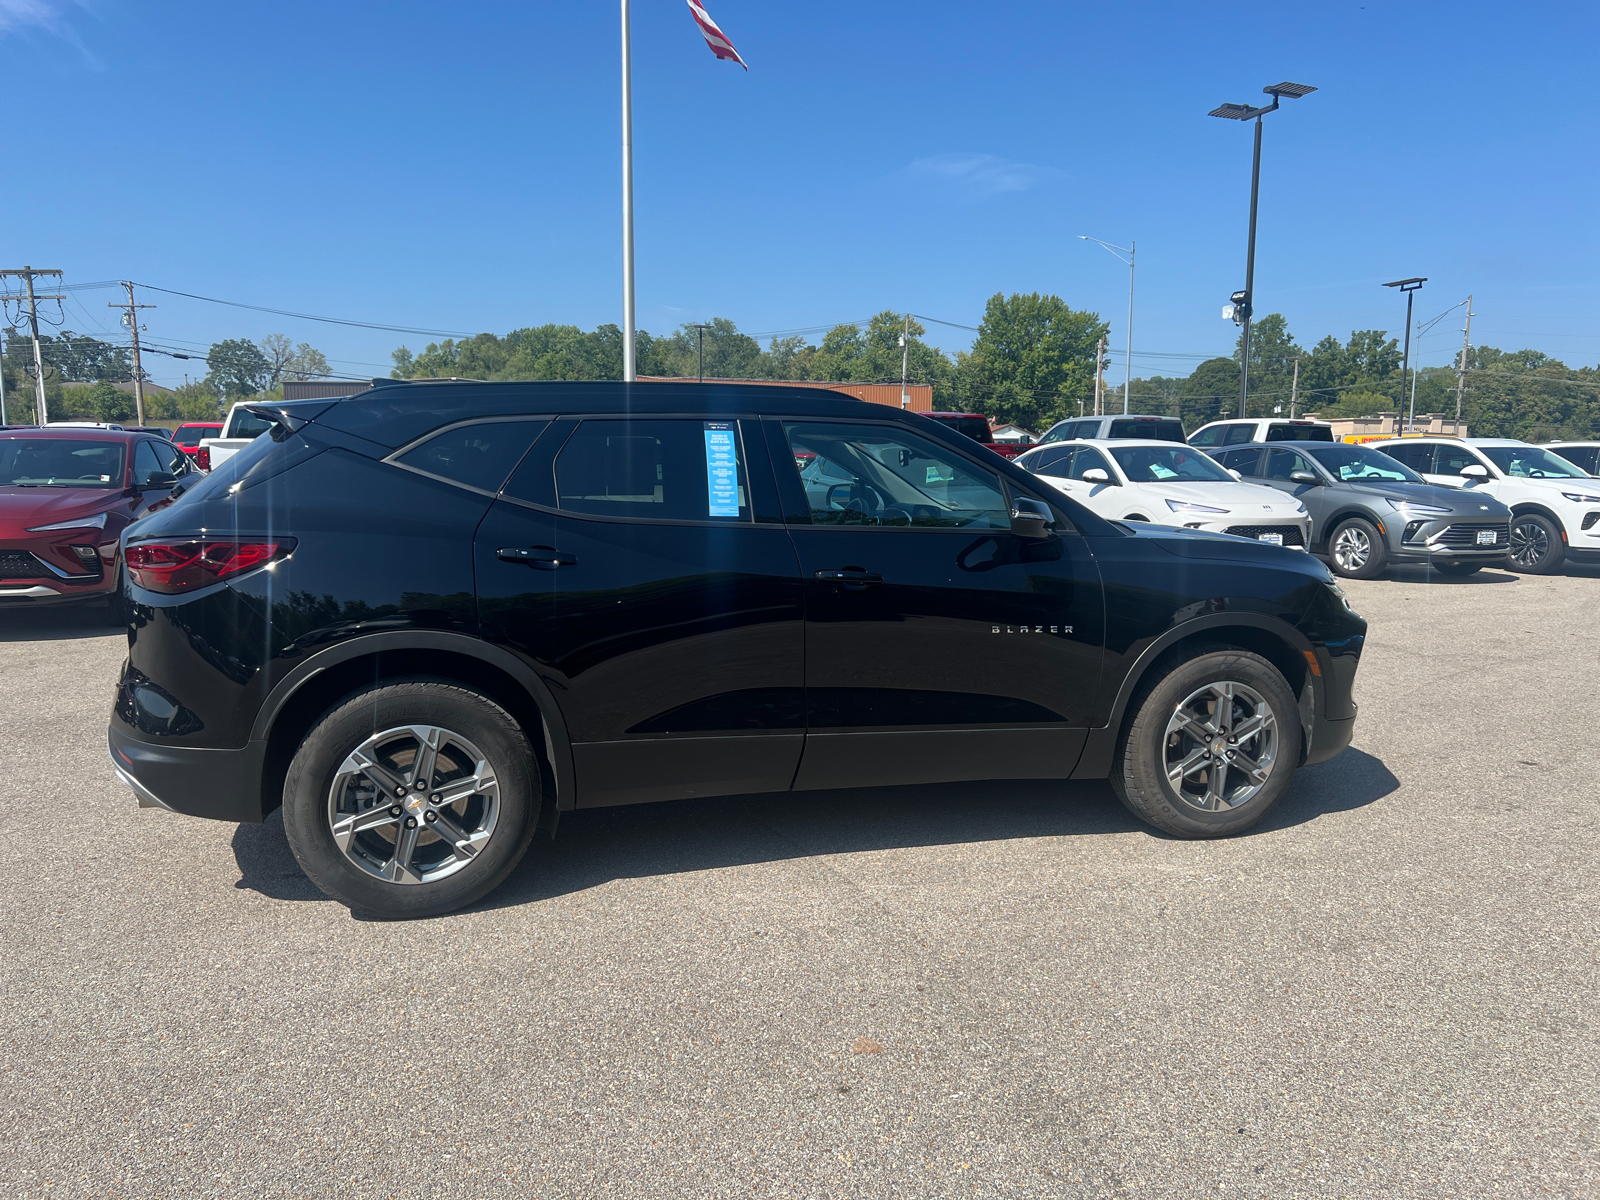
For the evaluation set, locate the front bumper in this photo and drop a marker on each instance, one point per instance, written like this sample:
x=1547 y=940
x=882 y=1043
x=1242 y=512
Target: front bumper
x=221 y=785
x=61 y=566
x=1448 y=540
x=1295 y=534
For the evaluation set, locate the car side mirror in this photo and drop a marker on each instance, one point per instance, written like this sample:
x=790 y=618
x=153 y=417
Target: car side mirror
x=1029 y=518
x=1475 y=471
x=1236 y=474
x=157 y=479
x=1303 y=477
x=1096 y=475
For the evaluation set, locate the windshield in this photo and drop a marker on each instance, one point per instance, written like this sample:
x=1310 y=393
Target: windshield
x=1167 y=464
x=1144 y=427
x=190 y=435
x=1356 y=463
x=61 y=462
x=1530 y=462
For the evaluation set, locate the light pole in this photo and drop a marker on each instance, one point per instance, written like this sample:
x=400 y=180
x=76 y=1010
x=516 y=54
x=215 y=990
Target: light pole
x=1117 y=252
x=700 y=344
x=1243 y=302
x=1410 y=288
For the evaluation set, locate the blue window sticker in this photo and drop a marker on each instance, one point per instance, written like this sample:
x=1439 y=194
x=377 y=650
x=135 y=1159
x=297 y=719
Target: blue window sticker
x=722 y=469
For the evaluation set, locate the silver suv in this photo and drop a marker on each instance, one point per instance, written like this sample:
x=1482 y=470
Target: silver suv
x=1368 y=511
x=1128 y=425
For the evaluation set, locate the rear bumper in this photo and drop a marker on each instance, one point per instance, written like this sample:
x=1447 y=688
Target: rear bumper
x=221 y=785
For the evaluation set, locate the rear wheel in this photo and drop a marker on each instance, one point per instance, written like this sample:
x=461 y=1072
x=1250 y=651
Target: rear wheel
x=1211 y=746
x=411 y=799
x=1357 y=550
x=1536 y=545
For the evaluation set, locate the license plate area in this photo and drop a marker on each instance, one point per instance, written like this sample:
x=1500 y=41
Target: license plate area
x=1488 y=537
x=1272 y=539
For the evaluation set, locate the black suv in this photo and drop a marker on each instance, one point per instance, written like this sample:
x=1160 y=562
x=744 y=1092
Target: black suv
x=430 y=618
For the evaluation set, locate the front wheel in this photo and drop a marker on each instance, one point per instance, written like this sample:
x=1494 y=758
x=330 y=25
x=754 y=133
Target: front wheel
x=1536 y=545
x=1211 y=746
x=1357 y=550
x=411 y=799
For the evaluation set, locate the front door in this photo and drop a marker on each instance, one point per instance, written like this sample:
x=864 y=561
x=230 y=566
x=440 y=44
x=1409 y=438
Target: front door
x=1278 y=466
x=625 y=561
x=939 y=645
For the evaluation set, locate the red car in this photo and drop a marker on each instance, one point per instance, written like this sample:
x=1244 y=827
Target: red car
x=66 y=495
x=187 y=438
x=976 y=427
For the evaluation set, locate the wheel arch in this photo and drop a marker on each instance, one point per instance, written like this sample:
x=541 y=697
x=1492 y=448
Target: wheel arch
x=1345 y=514
x=317 y=684
x=1525 y=507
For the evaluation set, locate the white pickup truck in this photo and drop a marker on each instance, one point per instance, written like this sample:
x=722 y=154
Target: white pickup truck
x=238 y=431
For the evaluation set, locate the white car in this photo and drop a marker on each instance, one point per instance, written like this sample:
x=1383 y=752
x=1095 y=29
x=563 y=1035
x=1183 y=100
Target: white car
x=1269 y=429
x=1168 y=483
x=239 y=429
x=1125 y=425
x=1555 y=506
x=1583 y=455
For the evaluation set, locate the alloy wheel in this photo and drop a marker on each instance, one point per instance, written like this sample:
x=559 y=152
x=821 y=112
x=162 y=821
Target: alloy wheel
x=413 y=804
x=1221 y=746
x=1530 y=543
x=1352 y=548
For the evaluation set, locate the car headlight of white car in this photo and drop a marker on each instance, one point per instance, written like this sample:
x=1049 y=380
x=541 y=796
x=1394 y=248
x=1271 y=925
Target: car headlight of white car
x=1412 y=508
x=1183 y=506
x=1580 y=498
x=98 y=521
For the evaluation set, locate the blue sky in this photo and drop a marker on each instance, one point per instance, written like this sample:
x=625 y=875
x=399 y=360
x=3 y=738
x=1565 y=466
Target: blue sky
x=455 y=167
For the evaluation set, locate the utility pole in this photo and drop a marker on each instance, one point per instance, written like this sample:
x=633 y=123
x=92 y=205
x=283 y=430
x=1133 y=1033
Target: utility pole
x=27 y=275
x=1099 y=372
x=1461 y=373
x=132 y=321
x=3 y=420
x=905 y=362
x=1294 y=389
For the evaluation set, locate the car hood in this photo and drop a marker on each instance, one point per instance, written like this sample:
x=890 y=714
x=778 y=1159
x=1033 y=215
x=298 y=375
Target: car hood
x=1463 y=503
x=1240 y=499
x=1222 y=547
x=22 y=507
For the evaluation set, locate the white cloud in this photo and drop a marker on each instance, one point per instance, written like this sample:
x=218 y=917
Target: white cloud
x=977 y=176
x=33 y=14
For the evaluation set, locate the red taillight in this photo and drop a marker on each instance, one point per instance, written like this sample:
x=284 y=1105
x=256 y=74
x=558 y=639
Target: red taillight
x=184 y=566
x=202 y=458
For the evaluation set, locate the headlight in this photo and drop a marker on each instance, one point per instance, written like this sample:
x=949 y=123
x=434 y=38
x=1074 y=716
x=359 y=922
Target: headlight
x=1185 y=507
x=98 y=521
x=1411 y=506
x=1580 y=498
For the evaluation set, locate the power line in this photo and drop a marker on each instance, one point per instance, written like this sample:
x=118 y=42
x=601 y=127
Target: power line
x=299 y=316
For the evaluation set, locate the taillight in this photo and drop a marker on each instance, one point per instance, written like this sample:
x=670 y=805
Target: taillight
x=183 y=566
x=202 y=458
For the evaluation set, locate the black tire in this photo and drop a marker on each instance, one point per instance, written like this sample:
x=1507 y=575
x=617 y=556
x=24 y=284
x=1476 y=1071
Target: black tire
x=1357 y=550
x=117 y=604
x=1139 y=772
x=1536 y=545
x=1458 y=569
x=440 y=879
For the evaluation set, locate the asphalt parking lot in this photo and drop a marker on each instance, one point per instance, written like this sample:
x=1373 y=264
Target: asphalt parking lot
x=1388 y=989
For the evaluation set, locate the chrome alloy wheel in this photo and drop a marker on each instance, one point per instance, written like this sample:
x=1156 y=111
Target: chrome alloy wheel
x=1530 y=543
x=413 y=804
x=1352 y=548
x=1221 y=745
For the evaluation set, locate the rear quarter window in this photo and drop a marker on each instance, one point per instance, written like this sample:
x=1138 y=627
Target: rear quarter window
x=1283 y=432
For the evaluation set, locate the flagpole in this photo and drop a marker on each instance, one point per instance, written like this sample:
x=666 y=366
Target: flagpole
x=630 y=370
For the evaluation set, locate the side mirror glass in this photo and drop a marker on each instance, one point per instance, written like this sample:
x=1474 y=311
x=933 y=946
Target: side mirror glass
x=1096 y=475
x=1029 y=518
x=1302 y=477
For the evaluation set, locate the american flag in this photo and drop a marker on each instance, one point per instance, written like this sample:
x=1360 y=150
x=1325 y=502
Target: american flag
x=715 y=38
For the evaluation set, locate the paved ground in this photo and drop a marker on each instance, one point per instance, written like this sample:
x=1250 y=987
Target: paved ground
x=1387 y=991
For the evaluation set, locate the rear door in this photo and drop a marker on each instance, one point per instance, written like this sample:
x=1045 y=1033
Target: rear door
x=939 y=646
x=648 y=578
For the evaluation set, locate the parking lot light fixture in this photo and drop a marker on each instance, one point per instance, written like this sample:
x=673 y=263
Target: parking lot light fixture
x=1246 y=112
x=1410 y=288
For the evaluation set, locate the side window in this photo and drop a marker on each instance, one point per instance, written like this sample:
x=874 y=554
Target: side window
x=1418 y=457
x=145 y=464
x=1244 y=431
x=1279 y=432
x=479 y=455
x=1087 y=459
x=881 y=476
x=173 y=461
x=1054 y=462
x=1246 y=462
x=248 y=425
x=669 y=470
x=1283 y=463
x=1057 y=433
x=1209 y=436
x=1448 y=460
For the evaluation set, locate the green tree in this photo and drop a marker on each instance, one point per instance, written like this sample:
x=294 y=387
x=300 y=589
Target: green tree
x=109 y=403
x=1032 y=361
x=238 y=368
x=285 y=360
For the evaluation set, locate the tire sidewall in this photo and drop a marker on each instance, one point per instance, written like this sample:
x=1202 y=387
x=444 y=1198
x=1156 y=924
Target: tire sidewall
x=1551 y=562
x=1144 y=757
x=416 y=702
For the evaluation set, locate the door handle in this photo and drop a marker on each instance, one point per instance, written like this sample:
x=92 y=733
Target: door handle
x=851 y=577
x=540 y=558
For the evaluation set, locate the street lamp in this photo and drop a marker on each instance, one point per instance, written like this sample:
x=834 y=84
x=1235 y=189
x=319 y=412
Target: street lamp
x=1242 y=302
x=1410 y=287
x=1117 y=252
x=700 y=347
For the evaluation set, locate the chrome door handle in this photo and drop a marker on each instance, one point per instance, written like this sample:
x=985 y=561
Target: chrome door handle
x=540 y=558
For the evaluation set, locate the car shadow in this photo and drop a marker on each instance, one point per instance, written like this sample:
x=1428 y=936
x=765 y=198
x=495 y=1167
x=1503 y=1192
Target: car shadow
x=1421 y=573
x=597 y=846
x=58 y=622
